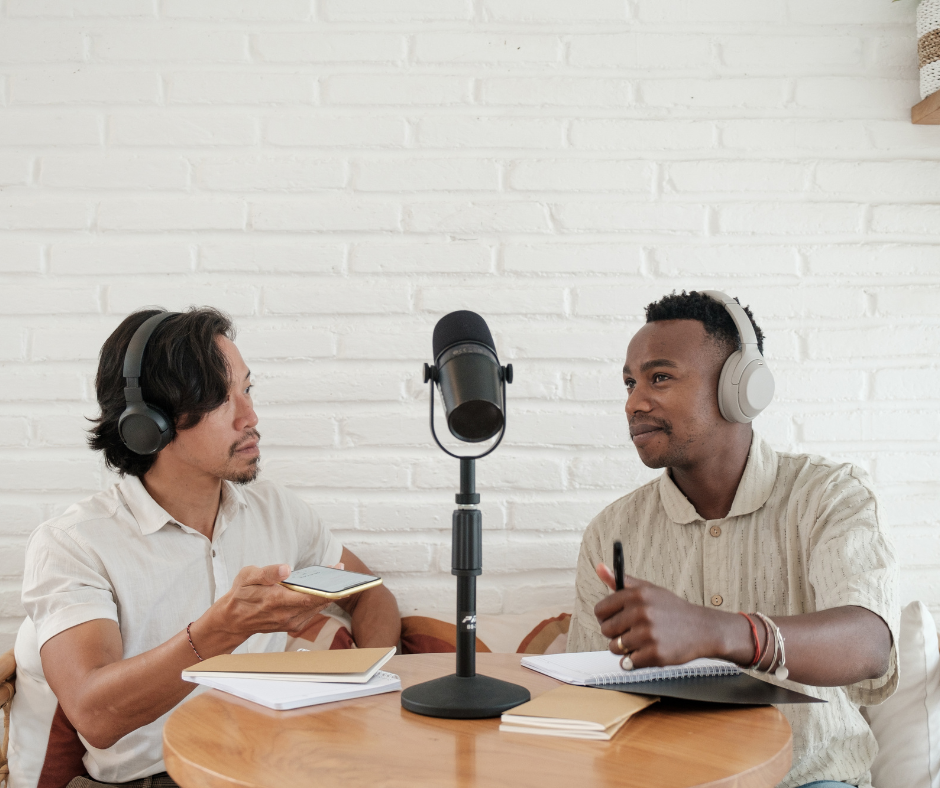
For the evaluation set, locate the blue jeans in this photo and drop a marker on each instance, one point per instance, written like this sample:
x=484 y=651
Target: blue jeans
x=826 y=784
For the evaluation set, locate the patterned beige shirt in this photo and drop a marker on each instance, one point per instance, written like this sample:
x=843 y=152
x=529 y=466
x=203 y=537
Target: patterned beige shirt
x=802 y=535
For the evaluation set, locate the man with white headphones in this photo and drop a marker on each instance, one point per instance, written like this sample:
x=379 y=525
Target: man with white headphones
x=774 y=561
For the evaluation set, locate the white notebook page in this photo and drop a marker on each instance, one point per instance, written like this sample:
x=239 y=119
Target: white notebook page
x=603 y=667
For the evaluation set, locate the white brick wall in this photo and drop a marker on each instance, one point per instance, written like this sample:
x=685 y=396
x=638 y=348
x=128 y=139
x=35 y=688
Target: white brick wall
x=339 y=173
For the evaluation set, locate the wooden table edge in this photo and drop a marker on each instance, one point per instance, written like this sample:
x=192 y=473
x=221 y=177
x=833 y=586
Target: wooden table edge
x=197 y=775
x=768 y=768
x=178 y=766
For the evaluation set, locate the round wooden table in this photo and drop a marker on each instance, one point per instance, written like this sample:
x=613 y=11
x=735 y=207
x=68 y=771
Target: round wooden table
x=216 y=741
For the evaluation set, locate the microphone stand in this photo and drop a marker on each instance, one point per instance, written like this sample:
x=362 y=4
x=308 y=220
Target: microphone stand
x=465 y=694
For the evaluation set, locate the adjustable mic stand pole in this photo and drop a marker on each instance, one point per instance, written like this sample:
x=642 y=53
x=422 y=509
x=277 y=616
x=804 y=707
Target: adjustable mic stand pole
x=466 y=562
x=465 y=695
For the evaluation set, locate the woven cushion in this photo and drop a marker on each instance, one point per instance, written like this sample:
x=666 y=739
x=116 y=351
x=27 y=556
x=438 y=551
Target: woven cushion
x=907 y=725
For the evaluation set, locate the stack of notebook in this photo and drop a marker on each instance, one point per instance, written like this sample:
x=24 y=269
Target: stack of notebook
x=292 y=679
x=575 y=713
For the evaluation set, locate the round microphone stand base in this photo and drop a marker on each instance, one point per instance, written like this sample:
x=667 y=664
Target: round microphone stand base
x=457 y=698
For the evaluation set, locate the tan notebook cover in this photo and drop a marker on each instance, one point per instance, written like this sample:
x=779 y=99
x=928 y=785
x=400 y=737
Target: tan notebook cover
x=576 y=710
x=340 y=665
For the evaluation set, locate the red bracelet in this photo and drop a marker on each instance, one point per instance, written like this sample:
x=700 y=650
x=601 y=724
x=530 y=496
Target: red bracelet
x=757 y=654
x=190 y=638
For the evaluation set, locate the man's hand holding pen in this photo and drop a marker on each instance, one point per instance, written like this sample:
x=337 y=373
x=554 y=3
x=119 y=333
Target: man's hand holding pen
x=653 y=626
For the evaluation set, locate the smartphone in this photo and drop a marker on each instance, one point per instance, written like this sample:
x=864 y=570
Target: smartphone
x=328 y=582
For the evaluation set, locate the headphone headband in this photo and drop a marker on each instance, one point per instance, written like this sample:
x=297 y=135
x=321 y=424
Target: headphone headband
x=738 y=315
x=135 y=348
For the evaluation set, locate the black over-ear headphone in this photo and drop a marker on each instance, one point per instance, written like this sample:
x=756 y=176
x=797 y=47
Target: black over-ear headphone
x=144 y=428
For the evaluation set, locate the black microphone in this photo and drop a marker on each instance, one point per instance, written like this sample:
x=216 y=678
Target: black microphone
x=473 y=387
x=468 y=374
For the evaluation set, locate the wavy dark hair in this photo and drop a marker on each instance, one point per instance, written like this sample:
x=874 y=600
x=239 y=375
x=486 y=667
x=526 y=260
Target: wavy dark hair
x=709 y=312
x=183 y=372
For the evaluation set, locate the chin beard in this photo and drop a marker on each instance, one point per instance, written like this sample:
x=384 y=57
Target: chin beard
x=246 y=476
x=673 y=456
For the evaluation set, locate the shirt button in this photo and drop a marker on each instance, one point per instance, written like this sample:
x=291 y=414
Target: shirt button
x=213 y=553
x=715 y=530
x=717 y=600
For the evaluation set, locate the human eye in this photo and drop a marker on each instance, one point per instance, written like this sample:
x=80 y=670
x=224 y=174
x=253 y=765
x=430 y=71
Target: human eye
x=629 y=383
x=660 y=377
x=249 y=388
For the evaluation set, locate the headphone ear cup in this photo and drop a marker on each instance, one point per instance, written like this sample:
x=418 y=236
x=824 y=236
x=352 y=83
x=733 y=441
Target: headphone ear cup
x=727 y=395
x=742 y=402
x=756 y=389
x=145 y=429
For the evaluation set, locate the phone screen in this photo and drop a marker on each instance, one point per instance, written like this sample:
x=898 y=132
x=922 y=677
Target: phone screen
x=327 y=579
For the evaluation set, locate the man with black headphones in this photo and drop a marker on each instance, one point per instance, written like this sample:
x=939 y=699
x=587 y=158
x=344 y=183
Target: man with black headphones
x=182 y=559
x=774 y=561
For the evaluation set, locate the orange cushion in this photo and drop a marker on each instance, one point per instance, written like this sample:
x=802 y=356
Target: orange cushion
x=425 y=635
x=544 y=634
x=64 y=753
x=538 y=632
x=325 y=631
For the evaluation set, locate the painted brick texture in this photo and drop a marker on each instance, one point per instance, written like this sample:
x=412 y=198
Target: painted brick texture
x=337 y=174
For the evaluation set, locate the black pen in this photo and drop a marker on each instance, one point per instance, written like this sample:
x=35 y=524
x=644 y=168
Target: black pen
x=618 y=565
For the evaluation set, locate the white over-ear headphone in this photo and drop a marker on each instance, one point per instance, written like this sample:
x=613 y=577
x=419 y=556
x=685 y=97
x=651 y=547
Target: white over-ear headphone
x=746 y=385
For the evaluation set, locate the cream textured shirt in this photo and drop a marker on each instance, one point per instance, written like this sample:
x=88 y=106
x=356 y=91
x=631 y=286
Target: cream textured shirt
x=118 y=555
x=802 y=535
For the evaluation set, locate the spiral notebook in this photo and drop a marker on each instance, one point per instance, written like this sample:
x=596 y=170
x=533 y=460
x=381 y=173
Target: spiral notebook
x=707 y=680
x=600 y=668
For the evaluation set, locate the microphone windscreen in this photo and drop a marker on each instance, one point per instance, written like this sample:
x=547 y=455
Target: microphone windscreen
x=462 y=326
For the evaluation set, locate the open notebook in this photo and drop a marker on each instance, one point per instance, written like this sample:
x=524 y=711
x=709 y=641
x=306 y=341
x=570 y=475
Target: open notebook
x=709 y=680
x=599 y=668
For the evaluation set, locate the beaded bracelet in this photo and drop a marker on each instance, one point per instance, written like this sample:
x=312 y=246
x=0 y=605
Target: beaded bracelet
x=189 y=637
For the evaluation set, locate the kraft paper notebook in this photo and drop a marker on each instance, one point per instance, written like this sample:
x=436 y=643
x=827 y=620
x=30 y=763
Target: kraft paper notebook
x=283 y=695
x=709 y=680
x=575 y=713
x=346 y=666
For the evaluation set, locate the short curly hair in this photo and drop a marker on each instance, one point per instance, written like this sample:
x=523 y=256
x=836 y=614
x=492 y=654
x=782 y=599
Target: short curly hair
x=183 y=372
x=709 y=312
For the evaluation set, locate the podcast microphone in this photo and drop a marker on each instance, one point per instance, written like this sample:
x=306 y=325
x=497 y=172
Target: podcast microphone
x=473 y=387
x=468 y=374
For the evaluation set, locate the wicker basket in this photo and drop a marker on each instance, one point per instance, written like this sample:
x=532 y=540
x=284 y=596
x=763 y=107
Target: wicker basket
x=928 y=46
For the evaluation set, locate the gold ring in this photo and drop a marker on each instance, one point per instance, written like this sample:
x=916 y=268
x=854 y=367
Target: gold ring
x=620 y=647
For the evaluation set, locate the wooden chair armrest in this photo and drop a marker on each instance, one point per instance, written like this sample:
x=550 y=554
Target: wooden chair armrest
x=6 y=693
x=7 y=665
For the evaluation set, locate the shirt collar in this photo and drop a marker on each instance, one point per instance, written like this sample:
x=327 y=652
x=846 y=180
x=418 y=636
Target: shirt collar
x=757 y=482
x=233 y=498
x=151 y=517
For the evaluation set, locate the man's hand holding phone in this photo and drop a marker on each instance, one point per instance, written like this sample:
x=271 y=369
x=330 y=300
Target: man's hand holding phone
x=257 y=602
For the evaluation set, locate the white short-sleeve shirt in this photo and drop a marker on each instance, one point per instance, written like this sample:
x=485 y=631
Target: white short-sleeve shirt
x=802 y=535
x=118 y=555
